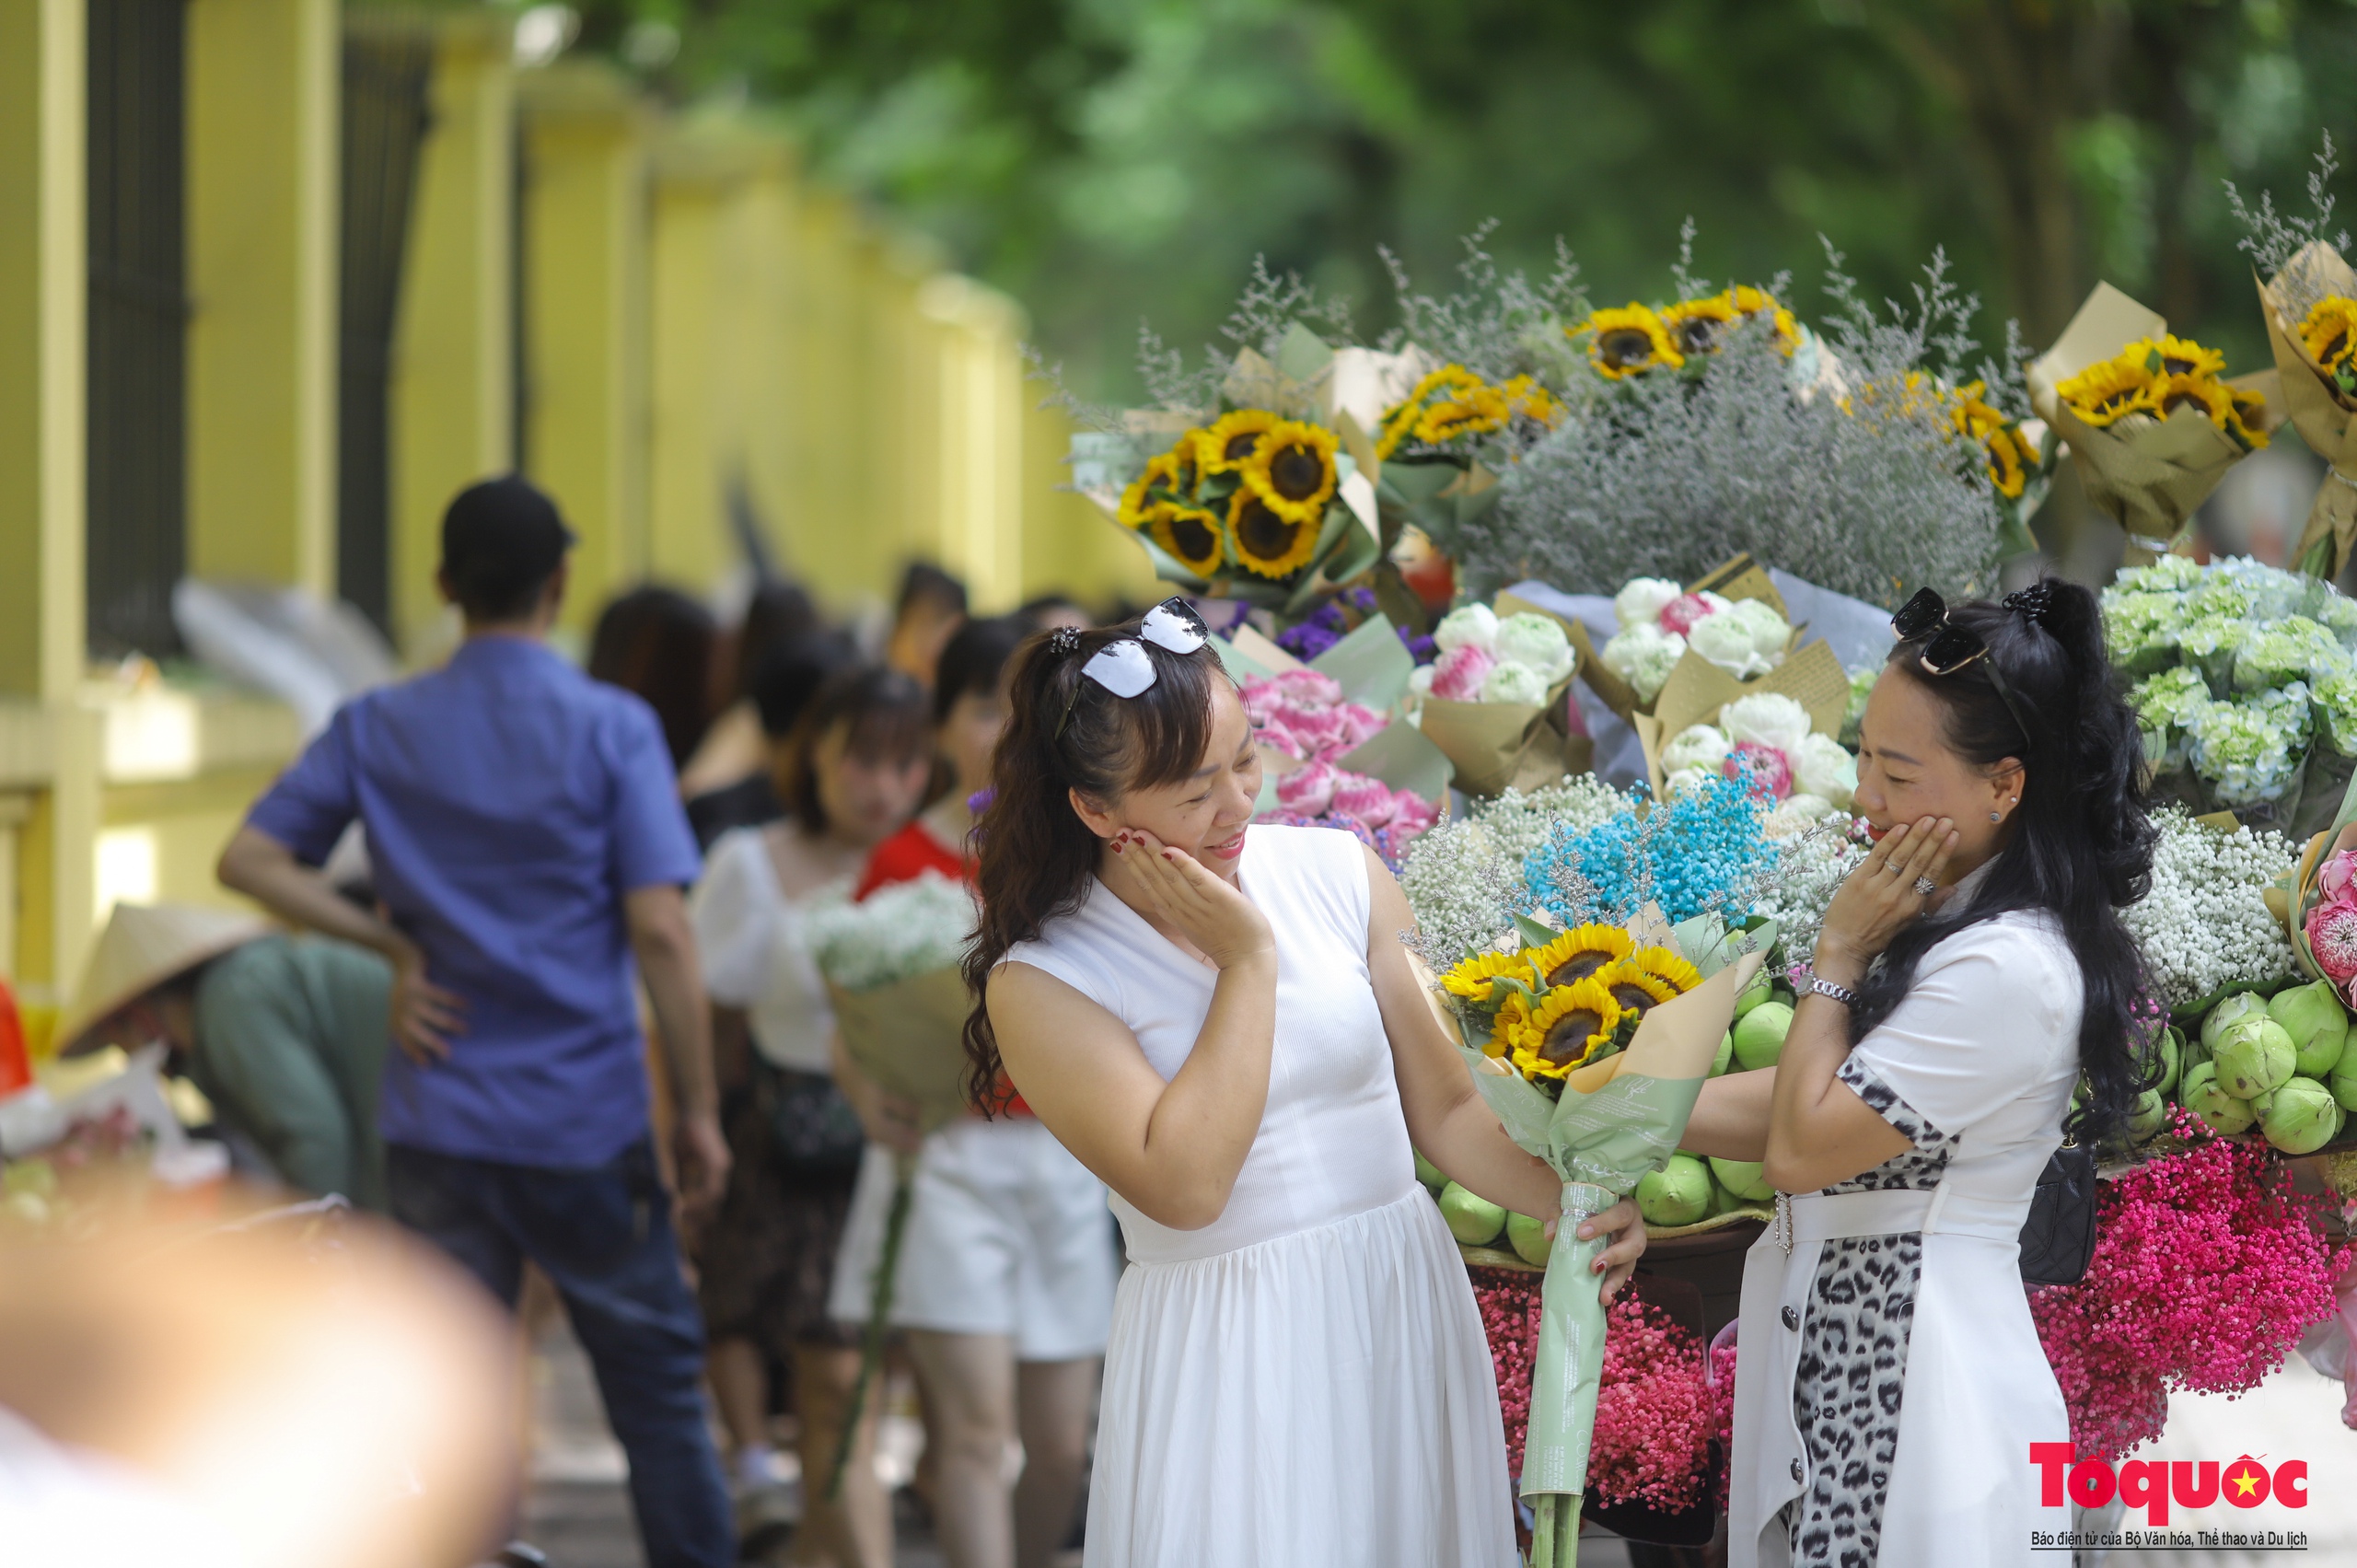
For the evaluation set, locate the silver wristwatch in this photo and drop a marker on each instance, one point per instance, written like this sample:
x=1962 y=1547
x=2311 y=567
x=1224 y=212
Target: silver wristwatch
x=1842 y=993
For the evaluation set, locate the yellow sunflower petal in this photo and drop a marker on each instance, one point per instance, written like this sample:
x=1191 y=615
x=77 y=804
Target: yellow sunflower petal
x=1265 y=543
x=2246 y=418
x=2183 y=356
x=1567 y=1026
x=1578 y=953
x=1527 y=399
x=2009 y=461
x=1753 y=301
x=1663 y=964
x=1292 y=471
x=1696 y=325
x=2110 y=389
x=1232 y=438
x=1637 y=988
x=1627 y=341
x=2329 y=334
x=1192 y=536
x=1475 y=980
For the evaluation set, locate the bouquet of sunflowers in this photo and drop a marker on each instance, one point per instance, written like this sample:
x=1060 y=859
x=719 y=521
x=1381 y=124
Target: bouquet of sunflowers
x=1596 y=1044
x=2146 y=416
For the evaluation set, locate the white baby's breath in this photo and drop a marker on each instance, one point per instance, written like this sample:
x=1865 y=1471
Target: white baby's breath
x=2206 y=923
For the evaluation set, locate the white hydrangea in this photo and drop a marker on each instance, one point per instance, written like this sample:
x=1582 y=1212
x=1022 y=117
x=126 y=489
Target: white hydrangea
x=1642 y=600
x=2206 y=923
x=1472 y=624
x=1824 y=768
x=1643 y=655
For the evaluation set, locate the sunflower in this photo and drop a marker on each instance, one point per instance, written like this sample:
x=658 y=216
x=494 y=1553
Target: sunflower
x=1292 y=471
x=1171 y=472
x=1625 y=342
x=1400 y=424
x=1190 y=535
x=1476 y=979
x=1527 y=399
x=2181 y=357
x=2204 y=394
x=1665 y=965
x=1264 y=542
x=1753 y=301
x=1695 y=325
x=1579 y=953
x=1638 y=991
x=2246 y=418
x=1232 y=438
x=1973 y=414
x=2009 y=461
x=2105 y=391
x=1567 y=1026
x=2329 y=334
x=1474 y=413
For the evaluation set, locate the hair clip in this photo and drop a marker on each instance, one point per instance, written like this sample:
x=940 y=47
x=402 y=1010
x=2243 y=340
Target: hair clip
x=2031 y=603
x=1064 y=640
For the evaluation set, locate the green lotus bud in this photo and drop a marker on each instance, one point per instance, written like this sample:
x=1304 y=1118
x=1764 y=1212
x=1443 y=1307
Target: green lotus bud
x=2152 y=1113
x=2227 y=1012
x=2344 y=1081
x=1678 y=1193
x=2253 y=1056
x=1762 y=989
x=1473 y=1219
x=1725 y=1058
x=1723 y=1202
x=1428 y=1173
x=2169 y=1049
x=1528 y=1236
x=1759 y=1034
x=2193 y=1053
x=2302 y=1118
x=2260 y=1104
x=2201 y=1096
x=1742 y=1179
x=2318 y=1023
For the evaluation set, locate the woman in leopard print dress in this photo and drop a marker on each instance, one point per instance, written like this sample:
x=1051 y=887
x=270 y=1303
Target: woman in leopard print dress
x=1970 y=971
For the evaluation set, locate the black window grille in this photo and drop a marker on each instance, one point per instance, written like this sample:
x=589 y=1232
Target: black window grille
x=385 y=78
x=136 y=499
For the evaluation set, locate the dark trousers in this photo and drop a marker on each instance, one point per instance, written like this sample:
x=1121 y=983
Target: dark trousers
x=603 y=1237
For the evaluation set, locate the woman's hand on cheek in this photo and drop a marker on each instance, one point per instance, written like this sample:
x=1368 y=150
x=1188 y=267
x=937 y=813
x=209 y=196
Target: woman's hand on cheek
x=1223 y=924
x=1881 y=897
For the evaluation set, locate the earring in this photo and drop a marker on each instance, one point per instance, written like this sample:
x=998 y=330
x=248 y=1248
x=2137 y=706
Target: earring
x=1996 y=815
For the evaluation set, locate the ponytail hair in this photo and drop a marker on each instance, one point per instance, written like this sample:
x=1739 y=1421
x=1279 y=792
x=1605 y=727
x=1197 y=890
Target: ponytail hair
x=1066 y=733
x=2082 y=844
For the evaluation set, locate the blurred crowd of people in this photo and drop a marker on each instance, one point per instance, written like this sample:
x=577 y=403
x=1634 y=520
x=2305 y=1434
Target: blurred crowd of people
x=559 y=856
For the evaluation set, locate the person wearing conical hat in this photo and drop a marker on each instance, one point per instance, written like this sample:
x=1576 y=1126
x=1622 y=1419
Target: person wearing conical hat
x=285 y=1035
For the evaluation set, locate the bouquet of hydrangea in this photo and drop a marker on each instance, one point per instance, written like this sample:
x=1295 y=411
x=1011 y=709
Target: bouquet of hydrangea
x=2244 y=680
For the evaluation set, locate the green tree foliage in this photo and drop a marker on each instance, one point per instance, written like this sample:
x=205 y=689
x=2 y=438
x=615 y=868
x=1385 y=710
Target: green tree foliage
x=1104 y=159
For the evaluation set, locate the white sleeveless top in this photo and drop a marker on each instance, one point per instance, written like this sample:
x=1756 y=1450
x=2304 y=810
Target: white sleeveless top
x=1332 y=1142
x=755 y=955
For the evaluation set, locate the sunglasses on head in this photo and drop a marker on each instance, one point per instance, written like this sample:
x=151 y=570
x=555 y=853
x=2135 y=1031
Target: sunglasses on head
x=1124 y=667
x=1948 y=647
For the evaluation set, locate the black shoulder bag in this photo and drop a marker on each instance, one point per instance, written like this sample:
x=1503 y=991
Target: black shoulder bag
x=2059 y=1238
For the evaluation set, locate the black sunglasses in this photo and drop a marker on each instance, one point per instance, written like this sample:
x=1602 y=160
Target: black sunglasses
x=1947 y=649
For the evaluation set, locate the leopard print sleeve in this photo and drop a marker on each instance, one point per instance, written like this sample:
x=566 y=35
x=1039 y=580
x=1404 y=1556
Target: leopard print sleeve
x=1918 y=1167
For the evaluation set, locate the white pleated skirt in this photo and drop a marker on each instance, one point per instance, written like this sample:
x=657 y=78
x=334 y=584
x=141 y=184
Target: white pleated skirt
x=1323 y=1397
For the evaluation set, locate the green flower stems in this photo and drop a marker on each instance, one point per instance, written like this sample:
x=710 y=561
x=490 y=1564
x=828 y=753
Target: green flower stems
x=879 y=1315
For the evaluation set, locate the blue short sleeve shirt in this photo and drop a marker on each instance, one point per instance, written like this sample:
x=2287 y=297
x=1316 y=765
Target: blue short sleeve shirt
x=510 y=802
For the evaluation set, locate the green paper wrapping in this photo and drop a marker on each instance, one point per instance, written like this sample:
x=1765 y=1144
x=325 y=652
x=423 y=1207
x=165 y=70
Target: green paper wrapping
x=1618 y=1120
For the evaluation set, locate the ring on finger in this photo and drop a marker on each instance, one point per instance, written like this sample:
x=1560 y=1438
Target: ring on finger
x=1925 y=887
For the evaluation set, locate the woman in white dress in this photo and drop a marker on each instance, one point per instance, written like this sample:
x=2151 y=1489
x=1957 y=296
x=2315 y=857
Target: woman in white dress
x=1223 y=1025
x=1972 y=969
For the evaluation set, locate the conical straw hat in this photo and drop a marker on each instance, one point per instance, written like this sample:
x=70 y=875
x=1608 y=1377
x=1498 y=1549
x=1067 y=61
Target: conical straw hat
x=142 y=947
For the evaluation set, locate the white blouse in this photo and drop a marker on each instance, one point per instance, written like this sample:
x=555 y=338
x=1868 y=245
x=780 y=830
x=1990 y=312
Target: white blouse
x=750 y=937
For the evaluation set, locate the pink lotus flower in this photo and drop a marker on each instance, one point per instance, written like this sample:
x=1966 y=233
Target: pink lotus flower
x=1459 y=673
x=2332 y=935
x=1323 y=732
x=1308 y=791
x=1309 y=686
x=1772 y=773
x=1681 y=612
x=1367 y=799
x=2337 y=877
x=1410 y=814
x=1359 y=721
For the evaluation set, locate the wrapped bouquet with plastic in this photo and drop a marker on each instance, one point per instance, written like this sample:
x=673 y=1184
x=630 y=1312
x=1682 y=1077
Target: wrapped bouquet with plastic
x=1592 y=1049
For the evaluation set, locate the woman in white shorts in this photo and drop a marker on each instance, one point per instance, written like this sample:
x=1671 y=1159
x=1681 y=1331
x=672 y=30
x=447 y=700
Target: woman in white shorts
x=1008 y=1265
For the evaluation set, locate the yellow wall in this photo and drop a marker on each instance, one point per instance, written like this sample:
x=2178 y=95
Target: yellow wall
x=262 y=147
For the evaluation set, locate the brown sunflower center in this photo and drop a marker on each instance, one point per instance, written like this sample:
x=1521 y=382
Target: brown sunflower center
x=1195 y=537
x=1567 y=1038
x=2176 y=400
x=1241 y=445
x=1579 y=965
x=1632 y=998
x=2333 y=346
x=1696 y=334
x=1297 y=473
x=1263 y=535
x=1625 y=348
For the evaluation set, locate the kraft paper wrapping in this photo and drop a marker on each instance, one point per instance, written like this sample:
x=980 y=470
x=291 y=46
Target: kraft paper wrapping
x=2149 y=481
x=908 y=1036
x=1494 y=746
x=1616 y=1121
x=2310 y=401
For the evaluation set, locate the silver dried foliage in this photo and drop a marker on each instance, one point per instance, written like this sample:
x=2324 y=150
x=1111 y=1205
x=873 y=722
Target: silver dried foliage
x=1668 y=475
x=2271 y=240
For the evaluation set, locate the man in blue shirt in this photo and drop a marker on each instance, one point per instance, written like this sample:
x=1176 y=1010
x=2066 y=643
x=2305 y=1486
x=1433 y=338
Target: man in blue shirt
x=528 y=844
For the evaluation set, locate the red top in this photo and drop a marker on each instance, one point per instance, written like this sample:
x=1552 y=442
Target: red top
x=905 y=854
x=903 y=857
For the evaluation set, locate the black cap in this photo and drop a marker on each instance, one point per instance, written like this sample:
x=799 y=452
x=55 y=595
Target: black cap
x=501 y=540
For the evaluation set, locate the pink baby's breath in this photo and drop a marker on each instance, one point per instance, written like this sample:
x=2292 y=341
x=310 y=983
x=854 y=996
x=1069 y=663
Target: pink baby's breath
x=2207 y=1269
